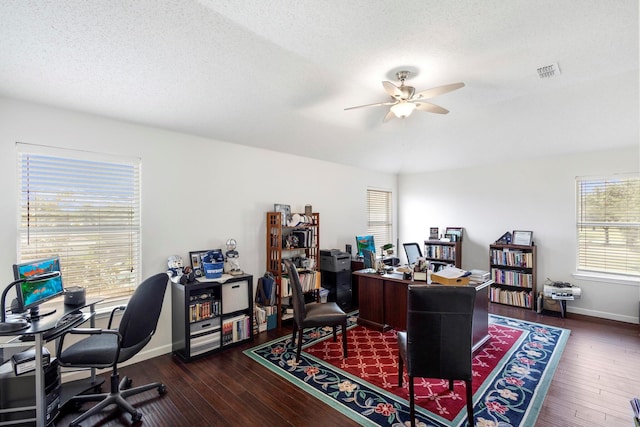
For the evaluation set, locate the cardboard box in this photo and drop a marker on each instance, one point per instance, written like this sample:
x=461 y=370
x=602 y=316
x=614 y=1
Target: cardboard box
x=450 y=276
x=459 y=281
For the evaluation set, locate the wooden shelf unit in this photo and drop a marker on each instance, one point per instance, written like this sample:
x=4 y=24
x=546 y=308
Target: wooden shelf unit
x=208 y=316
x=277 y=251
x=449 y=252
x=513 y=271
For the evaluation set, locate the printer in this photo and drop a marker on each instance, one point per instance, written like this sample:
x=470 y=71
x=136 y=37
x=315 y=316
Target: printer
x=562 y=291
x=334 y=260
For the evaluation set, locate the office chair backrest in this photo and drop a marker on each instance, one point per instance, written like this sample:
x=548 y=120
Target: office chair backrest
x=297 y=297
x=439 y=331
x=140 y=318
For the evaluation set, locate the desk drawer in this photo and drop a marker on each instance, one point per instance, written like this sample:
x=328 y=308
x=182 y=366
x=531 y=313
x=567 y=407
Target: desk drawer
x=235 y=296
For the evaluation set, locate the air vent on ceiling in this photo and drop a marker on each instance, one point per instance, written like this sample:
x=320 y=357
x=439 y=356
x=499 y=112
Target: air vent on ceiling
x=549 y=71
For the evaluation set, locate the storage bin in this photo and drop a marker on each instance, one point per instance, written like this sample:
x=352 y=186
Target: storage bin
x=235 y=296
x=213 y=270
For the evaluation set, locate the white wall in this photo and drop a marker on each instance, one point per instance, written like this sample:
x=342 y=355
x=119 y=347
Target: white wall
x=196 y=192
x=537 y=195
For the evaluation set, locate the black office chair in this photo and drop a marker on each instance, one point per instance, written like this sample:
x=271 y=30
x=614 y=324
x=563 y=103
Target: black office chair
x=438 y=340
x=313 y=314
x=104 y=348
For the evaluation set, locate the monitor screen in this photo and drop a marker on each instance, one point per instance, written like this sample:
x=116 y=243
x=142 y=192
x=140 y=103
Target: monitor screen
x=413 y=252
x=365 y=242
x=32 y=293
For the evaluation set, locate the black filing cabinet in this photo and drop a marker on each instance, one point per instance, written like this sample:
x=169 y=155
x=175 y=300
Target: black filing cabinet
x=338 y=283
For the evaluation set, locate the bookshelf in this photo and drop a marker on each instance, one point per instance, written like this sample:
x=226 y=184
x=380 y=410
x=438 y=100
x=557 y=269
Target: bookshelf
x=208 y=316
x=288 y=241
x=449 y=252
x=513 y=271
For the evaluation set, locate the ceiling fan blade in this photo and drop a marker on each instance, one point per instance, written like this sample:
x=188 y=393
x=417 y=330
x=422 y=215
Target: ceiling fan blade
x=377 y=104
x=388 y=117
x=430 y=108
x=436 y=91
x=393 y=90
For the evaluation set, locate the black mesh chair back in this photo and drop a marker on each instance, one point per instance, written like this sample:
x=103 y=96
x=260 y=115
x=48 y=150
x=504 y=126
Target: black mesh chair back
x=140 y=318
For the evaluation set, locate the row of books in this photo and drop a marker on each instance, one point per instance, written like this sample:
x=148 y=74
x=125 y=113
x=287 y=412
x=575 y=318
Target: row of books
x=517 y=298
x=236 y=329
x=440 y=252
x=635 y=405
x=308 y=282
x=204 y=310
x=511 y=258
x=262 y=315
x=512 y=278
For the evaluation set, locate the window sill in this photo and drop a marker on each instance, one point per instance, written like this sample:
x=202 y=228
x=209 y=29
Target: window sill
x=609 y=278
x=104 y=309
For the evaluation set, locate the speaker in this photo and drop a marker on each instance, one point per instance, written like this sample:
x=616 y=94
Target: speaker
x=75 y=295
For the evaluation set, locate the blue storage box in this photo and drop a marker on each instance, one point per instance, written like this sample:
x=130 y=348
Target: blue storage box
x=213 y=270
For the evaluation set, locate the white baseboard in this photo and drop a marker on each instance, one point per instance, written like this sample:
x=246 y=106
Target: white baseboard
x=604 y=315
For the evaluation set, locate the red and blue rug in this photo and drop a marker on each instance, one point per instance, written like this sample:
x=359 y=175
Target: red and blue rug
x=512 y=373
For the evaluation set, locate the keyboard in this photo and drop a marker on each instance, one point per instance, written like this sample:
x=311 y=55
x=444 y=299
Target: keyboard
x=68 y=319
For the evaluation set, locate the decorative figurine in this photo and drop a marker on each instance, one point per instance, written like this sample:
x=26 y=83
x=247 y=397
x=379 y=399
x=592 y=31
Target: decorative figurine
x=232 y=263
x=175 y=271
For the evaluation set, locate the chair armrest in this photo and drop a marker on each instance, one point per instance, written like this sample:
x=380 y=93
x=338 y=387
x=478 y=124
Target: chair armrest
x=113 y=312
x=87 y=331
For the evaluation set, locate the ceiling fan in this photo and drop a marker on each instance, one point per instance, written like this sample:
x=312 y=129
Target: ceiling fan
x=405 y=99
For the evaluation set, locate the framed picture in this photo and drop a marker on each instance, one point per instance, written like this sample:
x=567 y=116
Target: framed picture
x=433 y=233
x=524 y=238
x=285 y=210
x=196 y=262
x=454 y=233
x=505 y=238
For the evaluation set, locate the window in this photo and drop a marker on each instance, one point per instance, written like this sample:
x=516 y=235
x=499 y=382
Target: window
x=86 y=209
x=379 y=217
x=608 y=225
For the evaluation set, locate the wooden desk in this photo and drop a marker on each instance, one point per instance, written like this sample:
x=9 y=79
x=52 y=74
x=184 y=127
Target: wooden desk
x=382 y=301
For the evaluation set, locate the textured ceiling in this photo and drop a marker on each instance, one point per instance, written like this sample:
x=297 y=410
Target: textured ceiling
x=278 y=74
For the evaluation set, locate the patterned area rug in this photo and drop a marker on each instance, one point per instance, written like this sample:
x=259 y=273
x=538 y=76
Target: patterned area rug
x=512 y=372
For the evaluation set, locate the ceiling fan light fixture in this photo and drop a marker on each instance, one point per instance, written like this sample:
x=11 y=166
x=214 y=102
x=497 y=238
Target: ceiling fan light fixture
x=403 y=109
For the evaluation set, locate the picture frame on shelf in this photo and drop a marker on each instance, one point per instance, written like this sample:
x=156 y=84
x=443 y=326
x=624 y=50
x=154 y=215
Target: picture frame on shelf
x=454 y=233
x=285 y=210
x=196 y=262
x=523 y=238
x=505 y=239
x=433 y=233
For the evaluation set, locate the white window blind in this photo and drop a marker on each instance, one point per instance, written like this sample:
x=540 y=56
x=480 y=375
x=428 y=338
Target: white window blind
x=85 y=210
x=379 y=216
x=608 y=225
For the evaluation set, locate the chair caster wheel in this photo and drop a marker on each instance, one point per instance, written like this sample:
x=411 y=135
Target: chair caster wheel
x=128 y=382
x=162 y=389
x=136 y=417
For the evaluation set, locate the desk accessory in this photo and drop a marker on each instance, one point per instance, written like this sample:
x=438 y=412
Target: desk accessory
x=75 y=295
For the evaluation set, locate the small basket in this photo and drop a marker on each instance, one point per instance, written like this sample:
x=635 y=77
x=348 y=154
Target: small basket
x=213 y=270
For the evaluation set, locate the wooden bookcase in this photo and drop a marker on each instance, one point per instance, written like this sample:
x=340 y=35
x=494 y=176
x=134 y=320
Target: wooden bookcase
x=288 y=242
x=208 y=316
x=449 y=252
x=513 y=271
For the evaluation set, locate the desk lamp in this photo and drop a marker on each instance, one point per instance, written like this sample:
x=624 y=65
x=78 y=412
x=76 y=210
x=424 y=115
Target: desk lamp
x=19 y=324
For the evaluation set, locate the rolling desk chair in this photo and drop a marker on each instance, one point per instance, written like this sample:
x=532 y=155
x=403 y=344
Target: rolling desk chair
x=104 y=348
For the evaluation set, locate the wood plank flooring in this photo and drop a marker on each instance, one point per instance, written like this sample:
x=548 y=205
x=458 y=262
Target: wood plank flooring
x=598 y=373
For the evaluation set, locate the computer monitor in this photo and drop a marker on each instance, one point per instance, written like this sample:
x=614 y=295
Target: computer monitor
x=413 y=252
x=365 y=242
x=32 y=293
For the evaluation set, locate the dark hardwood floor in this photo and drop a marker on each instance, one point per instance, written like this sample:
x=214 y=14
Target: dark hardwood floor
x=598 y=373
